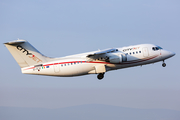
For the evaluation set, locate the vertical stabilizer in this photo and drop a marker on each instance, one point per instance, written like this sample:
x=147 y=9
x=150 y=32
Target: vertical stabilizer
x=24 y=53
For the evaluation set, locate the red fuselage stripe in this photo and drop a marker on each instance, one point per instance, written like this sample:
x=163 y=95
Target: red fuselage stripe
x=129 y=62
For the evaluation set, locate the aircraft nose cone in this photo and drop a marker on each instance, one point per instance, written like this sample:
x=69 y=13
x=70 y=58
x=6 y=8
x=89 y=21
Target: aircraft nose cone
x=172 y=54
x=167 y=54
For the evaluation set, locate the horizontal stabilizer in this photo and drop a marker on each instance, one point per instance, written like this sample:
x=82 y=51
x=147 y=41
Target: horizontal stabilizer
x=15 y=42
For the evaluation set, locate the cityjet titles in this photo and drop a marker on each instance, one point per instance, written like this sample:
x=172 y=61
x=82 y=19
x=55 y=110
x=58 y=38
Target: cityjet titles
x=129 y=49
x=30 y=55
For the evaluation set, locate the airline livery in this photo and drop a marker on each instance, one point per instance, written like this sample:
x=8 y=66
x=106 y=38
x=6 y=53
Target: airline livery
x=32 y=61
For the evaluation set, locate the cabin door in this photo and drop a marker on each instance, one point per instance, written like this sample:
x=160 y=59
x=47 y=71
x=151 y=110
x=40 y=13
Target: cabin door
x=56 y=68
x=145 y=52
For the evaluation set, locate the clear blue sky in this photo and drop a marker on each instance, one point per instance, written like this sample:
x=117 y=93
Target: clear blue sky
x=64 y=27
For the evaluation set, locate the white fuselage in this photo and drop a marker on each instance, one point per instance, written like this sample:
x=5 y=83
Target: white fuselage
x=79 y=64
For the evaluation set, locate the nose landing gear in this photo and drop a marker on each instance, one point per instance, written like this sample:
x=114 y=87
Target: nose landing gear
x=164 y=64
x=100 y=76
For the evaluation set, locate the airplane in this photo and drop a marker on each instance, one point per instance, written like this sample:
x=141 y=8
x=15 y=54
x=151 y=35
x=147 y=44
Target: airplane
x=98 y=62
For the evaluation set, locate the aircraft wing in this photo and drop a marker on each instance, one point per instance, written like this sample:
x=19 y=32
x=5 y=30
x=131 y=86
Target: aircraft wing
x=101 y=53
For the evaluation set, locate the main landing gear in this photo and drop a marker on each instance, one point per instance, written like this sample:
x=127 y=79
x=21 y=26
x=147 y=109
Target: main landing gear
x=100 y=76
x=164 y=64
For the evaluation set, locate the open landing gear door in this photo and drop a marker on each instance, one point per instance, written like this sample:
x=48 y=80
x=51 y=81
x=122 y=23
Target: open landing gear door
x=100 y=68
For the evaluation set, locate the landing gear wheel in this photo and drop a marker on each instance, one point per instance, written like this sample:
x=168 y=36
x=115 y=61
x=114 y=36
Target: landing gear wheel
x=100 y=76
x=164 y=64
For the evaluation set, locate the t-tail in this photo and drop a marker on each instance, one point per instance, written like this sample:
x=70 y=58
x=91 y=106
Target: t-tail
x=25 y=54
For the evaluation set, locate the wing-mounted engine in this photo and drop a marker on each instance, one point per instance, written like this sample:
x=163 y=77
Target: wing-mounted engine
x=101 y=55
x=119 y=58
x=110 y=55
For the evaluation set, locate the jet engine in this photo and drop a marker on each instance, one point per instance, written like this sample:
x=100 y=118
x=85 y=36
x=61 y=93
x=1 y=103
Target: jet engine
x=118 y=58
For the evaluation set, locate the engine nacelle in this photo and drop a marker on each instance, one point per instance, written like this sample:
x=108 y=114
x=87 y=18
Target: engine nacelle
x=118 y=58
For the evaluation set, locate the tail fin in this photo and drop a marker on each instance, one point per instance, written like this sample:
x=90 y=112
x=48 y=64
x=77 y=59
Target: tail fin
x=24 y=53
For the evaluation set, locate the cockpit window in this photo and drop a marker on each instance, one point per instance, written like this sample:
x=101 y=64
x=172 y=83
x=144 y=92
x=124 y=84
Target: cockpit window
x=160 y=47
x=156 y=48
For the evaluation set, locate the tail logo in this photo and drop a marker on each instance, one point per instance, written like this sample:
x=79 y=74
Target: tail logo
x=20 y=48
